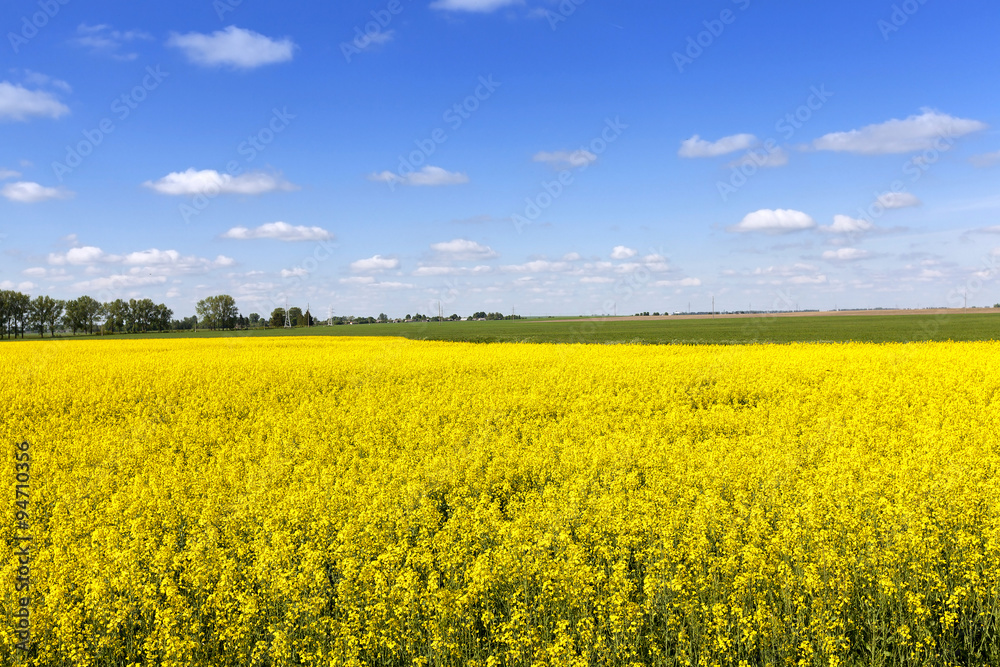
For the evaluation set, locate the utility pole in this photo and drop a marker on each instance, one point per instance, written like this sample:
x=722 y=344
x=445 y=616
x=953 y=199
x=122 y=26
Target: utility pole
x=713 y=307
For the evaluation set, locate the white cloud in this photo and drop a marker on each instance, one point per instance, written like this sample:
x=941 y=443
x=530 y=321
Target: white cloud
x=916 y=133
x=293 y=273
x=698 y=147
x=898 y=200
x=357 y=280
x=376 y=263
x=572 y=257
x=843 y=224
x=427 y=177
x=25 y=286
x=451 y=270
x=537 y=266
x=211 y=183
x=25 y=192
x=762 y=158
x=464 y=249
x=684 y=282
x=81 y=256
x=40 y=80
x=482 y=6
x=235 y=47
x=280 y=231
x=623 y=252
x=597 y=280
x=393 y=285
x=985 y=160
x=103 y=40
x=172 y=261
x=808 y=280
x=120 y=281
x=173 y=293
x=19 y=103
x=845 y=254
x=566 y=159
x=778 y=221
x=8 y=173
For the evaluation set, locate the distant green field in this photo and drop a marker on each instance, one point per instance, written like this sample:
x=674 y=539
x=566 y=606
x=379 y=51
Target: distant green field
x=863 y=328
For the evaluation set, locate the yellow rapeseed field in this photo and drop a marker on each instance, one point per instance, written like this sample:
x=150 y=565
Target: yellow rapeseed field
x=334 y=501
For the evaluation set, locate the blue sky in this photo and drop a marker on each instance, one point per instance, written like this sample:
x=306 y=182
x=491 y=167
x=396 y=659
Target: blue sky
x=570 y=157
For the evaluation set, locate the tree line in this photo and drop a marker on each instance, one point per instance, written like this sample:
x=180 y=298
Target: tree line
x=19 y=314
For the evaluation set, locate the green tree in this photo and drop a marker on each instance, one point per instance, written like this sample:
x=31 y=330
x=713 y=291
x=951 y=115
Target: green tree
x=45 y=312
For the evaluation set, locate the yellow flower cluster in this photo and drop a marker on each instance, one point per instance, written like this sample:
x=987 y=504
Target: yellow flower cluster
x=336 y=501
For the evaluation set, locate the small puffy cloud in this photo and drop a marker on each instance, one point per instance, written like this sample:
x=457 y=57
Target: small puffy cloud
x=480 y=6
x=572 y=257
x=297 y=272
x=683 y=282
x=777 y=221
x=103 y=40
x=211 y=183
x=566 y=159
x=623 y=252
x=913 y=134
x=20 y=103
x=761 y=158
x=808 y=280
x=464 y=249
x=279 y=231
x=357 y=280
x=697 y=147
x=898 y=200
x=537 y=266
x=151 y=257
x=845 y=254
x=8 y=173
x=120 y=281
x=596 y=280
x=233 y=47
x=424 y=271
x=985 y=160
x=80 y=256
x=26 y=192
x=376 y=263
x=429 y=176
x=843 y=224
x=171 y=262
x=25 y=286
